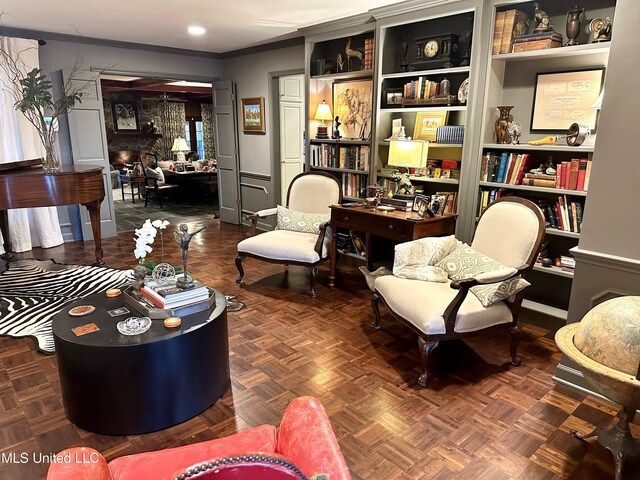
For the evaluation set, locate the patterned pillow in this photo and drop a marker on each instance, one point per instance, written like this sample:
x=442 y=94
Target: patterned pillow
x=300 y=221
x=465 y=262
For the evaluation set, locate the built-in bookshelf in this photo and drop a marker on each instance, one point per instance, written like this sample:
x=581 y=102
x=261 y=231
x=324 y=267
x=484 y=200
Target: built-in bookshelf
x=340 y=69
x=560 y=184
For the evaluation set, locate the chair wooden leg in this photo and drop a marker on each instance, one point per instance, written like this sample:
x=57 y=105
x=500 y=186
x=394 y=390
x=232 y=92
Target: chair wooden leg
x=515 y=340
x=239 y=260
x=313 y=274
x=425 y=356
x=375 y=299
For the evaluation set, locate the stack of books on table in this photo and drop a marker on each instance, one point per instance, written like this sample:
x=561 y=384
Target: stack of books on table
x=398 y=203
x=537 y=41
x=171 y=297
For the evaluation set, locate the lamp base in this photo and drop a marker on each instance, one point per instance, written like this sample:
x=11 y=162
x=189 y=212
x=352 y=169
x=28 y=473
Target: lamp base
x=322 y=132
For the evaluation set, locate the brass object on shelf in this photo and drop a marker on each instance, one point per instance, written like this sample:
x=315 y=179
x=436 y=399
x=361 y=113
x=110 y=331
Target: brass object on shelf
x=502 y=124
x=574 y=24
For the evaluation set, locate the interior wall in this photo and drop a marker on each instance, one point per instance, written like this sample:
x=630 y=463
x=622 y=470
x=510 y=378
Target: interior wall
x=251 y=75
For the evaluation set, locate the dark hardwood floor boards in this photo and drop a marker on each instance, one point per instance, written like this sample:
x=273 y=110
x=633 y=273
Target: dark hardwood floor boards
x=481 y=419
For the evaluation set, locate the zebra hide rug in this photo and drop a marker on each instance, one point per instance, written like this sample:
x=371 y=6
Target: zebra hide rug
x=33 y=291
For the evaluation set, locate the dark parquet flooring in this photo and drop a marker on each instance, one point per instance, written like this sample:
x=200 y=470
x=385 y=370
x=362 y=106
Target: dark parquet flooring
x=481 y=419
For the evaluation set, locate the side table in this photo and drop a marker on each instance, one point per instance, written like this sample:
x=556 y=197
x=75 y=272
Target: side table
x=133 y=181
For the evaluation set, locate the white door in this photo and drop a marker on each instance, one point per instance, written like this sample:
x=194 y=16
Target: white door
x=224 y=111
x=88 y=137
x=291 y=131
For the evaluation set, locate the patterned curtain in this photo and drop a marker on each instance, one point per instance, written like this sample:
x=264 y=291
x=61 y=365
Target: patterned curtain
x=170 y=120
x=208 y=131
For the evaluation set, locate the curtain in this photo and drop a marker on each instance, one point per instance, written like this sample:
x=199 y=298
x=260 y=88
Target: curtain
x=19 y=141
x=171 y=124
x=208 y=131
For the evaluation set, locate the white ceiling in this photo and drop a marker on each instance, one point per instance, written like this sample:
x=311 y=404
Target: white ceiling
x=230 y=25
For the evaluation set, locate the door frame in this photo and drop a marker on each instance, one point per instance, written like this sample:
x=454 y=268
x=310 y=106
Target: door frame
x=132 y=73
x=274 y=138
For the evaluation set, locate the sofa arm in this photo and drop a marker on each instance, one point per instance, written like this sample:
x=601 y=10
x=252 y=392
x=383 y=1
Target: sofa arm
x=78 y=464
x=307 y=439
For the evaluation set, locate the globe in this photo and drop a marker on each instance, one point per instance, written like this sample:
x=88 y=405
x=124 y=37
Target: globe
x=163 y=274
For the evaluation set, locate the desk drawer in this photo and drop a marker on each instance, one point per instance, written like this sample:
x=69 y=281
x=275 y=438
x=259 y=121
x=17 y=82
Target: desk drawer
x=389 y=227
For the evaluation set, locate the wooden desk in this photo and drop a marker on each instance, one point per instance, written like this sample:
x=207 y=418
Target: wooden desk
x=31 y=187
x=393 y=225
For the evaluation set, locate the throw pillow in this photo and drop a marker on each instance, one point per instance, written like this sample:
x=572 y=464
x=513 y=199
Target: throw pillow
x=304 y=222
x=465 y=262
x=156 y=173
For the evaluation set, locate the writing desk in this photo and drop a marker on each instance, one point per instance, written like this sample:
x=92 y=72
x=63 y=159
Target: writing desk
x=393 y=225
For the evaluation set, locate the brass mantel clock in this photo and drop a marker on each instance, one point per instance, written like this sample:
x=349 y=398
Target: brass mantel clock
x=435 y=52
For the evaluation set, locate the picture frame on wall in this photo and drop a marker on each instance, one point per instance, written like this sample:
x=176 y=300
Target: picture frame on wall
x=563 y=98
x=427 y=124
x=253 y=115
x=125 y=116
x=352 y=103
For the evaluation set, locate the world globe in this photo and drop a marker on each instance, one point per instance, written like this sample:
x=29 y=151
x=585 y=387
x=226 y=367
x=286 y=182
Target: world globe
x=606 y=346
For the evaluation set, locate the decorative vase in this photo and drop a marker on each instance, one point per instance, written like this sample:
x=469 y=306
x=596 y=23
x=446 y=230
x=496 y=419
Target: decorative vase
x=574 y=24
x=51 y=163
x=502 y=124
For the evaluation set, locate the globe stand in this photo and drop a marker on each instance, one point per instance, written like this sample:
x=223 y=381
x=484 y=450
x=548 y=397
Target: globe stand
x=617 y=439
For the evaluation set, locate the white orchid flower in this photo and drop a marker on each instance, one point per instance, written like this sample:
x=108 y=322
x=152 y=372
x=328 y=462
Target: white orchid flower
x=160 y=224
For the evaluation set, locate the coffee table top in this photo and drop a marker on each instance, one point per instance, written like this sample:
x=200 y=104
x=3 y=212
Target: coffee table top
x=109 y=336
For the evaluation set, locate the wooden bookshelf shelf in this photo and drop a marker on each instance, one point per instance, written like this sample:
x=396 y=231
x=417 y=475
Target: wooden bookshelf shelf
x=418 y=108
x=549 y=53
x=553 y=270
x=551 y=191
x=341 y=170
x=534 y=148
x=562 y=233
x=432 y=145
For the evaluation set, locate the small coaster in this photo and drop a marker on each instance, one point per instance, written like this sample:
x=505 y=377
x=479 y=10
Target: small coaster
x=172 y=322
x=84 y=329
x=113 y=292
x=116 y=312
x=81 y=310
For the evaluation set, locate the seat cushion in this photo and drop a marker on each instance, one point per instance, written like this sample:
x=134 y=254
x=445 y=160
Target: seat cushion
x=153 y=465
x=423 y=304
x=284 y=245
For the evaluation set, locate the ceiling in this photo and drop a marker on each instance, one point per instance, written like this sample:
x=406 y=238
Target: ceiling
x=230 y=25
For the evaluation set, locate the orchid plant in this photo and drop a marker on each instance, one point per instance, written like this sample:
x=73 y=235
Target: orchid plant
x=144 y=238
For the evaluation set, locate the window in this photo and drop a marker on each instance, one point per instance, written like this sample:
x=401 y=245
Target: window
x=199 y=136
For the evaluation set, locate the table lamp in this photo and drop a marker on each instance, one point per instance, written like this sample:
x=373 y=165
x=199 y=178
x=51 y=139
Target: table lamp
x=406 y=154
x=323 y=113
x=179 y=148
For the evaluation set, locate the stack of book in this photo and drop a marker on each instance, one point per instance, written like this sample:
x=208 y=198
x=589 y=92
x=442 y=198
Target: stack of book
x=567 y=263
x=398 y=203
x=509 y=25
x=537 y=41
x=506 y=167
x=368 y=53
x=539 y=180
x=171 y=297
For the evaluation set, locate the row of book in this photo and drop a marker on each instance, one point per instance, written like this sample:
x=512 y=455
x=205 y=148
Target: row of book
x=573 y=175
x=354 y=185
x=537 y=41
x=369 y=44
x=170 y=297
x=354 y=157
x=509 y=25
x=505 y=167
x=564 y=215
x=421 y=89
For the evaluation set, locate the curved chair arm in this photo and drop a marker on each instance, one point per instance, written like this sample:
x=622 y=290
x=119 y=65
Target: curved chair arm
x=451 y=312
x=320 y=241
x=79 y=463
x=267 y=212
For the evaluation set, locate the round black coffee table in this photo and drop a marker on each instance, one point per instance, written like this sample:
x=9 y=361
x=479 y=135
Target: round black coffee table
x=122 y=385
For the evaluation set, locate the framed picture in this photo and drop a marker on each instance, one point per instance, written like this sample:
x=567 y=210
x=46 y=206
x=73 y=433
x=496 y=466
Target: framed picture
x=393 y=97
x=427 y=123
x=352 y=103
x=253 y=115
x=421 y=204
x=563 y=98
x=125 y=116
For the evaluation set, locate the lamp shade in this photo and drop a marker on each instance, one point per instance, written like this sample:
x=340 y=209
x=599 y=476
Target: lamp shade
x=180 y=145
x=323 y=112
x=408 y=153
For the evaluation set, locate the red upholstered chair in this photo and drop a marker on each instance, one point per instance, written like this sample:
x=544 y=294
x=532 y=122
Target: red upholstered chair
x=305 y=440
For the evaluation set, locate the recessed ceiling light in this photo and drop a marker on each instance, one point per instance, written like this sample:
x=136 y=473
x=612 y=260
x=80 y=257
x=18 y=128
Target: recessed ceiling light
x=194 y=30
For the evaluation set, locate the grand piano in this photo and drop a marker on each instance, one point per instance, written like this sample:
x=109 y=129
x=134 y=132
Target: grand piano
x=25 y=185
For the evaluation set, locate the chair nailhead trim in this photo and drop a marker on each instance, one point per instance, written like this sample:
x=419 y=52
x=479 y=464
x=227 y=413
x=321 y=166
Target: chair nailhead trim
x=193 y=471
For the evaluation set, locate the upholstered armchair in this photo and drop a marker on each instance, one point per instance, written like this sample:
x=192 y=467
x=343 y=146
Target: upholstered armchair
x=485 y=283
x=305 y=443
x=300 y=237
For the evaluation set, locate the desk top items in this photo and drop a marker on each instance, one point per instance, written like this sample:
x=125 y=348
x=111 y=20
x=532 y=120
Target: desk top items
x=134 y=325
x=82 y=310
x=113 y=292
x=172 y=322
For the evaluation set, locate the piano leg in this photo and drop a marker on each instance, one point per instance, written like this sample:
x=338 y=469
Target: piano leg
x=94 y=216
x=4 y=227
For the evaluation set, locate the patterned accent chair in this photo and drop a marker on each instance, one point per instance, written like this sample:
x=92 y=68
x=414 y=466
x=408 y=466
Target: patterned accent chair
x=309 y=193
x=505 y=245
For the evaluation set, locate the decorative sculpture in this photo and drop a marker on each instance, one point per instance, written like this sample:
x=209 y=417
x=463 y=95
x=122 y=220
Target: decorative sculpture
x=336 y=128
x=600 y=29
x=574 y=24
x=542 y=17
x=340 y=62
x=183 y=237
x=353 y=53
x=138 y=281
